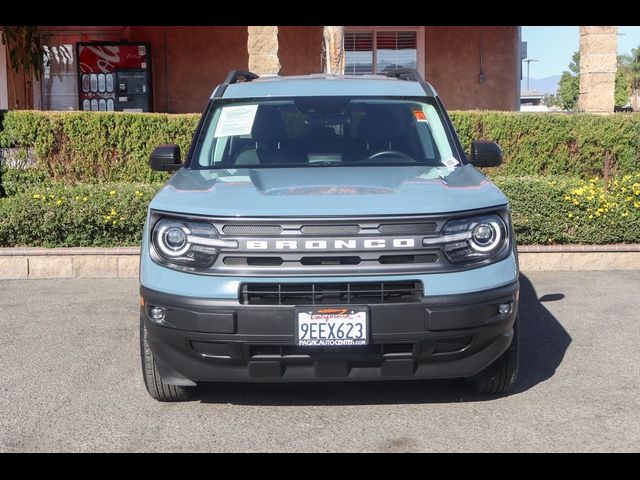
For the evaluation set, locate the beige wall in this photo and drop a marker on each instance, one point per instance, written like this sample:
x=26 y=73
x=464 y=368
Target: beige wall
x=453 y=66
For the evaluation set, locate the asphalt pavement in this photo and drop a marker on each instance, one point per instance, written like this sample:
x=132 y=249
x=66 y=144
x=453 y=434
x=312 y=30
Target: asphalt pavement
x=70 y=381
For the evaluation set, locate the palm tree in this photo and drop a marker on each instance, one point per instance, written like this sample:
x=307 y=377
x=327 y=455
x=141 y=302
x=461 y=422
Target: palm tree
x=26 y=54
x=634 y=77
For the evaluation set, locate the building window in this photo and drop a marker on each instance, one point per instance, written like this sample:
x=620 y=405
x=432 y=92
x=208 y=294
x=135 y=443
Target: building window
x=59 y=79
x=381 y=50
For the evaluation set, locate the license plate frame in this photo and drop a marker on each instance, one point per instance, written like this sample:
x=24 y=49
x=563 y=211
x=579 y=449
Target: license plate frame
x=351 y=322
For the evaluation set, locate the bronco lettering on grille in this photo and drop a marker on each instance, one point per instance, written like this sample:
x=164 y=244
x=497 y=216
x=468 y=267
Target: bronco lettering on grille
x=335 y=244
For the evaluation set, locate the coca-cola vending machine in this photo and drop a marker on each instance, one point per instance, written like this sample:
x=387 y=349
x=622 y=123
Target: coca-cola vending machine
x=114 y=76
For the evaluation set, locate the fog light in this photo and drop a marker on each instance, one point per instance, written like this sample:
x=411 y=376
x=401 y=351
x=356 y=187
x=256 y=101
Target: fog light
x=504 y=308
x=156 y=313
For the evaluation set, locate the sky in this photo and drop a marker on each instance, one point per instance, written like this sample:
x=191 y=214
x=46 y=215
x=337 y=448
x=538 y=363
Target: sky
x=554 y=46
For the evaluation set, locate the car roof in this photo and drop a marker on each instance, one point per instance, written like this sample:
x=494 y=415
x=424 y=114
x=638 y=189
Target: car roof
x=323 y=84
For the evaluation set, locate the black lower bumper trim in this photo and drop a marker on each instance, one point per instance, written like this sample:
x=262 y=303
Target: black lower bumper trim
x=440 y=337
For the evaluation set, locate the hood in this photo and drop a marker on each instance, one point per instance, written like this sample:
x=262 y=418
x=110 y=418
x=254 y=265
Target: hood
x=327 y=191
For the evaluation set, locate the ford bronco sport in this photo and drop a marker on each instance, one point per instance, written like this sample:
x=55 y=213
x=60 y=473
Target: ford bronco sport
x=327 y=228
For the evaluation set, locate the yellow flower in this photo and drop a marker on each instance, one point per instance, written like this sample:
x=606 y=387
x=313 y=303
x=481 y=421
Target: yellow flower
x=84 y=199
x=570 y=215
x=59 y=202
x=113 y=212
x=625 y=213
x=77 y=197
x=567 y=197
x=112 y=192
x=114 y=222
x=51 y=195
x=36 y=195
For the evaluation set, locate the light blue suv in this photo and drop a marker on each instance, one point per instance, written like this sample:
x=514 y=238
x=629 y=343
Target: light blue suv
x=327 y=228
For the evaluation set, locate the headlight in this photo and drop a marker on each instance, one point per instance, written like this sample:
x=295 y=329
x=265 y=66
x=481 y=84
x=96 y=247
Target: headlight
x=472 y=239
x=188 y=243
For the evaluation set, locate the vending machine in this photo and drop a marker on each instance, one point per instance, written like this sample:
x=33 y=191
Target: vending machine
x=114 y=76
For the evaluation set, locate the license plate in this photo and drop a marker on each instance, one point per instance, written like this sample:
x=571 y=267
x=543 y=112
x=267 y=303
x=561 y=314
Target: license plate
x=331 y=326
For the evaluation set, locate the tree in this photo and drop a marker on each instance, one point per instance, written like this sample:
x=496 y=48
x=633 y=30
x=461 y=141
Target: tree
x=633 y=77
x=622 y=89
x=569 y=85
x=26 y=53
x=549 y=100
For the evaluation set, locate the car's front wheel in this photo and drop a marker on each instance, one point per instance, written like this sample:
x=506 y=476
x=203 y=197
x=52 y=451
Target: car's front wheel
x=156 y=386
x=500 y=376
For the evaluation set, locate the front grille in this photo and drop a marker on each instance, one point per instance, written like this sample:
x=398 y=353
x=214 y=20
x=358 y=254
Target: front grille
x=330 y=229
x=408 y=228
x=252 y=230
x=331 y=293
x=328 y=246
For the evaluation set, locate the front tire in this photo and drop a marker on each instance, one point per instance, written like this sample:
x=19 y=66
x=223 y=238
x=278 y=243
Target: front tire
x=156 y=386
x=500 y=376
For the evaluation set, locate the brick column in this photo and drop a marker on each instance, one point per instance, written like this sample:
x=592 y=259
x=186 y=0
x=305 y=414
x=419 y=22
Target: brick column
x=597 y=69
x=262 y=46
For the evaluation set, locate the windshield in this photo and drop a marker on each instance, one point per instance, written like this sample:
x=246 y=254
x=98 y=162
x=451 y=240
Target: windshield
x=324 y=131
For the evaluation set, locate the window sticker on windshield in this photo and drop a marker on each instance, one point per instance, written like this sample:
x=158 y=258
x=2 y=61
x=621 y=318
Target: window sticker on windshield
x=451 y=162
x=420 y=116
x=236 y=120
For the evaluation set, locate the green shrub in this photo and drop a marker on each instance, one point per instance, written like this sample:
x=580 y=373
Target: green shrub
x=115 y=146
x=556 y=143
x=17 y=180
x=103 y=215
x=96 y=146
x=561 y=210
x=551 y=210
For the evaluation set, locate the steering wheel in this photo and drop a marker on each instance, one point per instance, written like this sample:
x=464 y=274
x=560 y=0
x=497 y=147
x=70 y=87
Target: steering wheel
x=385 y=153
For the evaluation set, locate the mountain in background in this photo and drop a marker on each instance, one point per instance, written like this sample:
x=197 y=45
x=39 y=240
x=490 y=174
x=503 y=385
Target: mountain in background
x=543 y=85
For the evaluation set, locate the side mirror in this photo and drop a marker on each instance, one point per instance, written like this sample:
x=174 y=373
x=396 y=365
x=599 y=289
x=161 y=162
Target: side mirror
x=165 y=158
x=485 y=154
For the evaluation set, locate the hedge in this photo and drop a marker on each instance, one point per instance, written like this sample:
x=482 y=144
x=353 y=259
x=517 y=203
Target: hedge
x=93 y=146
x=556 y=143
x=114 y=146
x=552 y=210
x=59 y=215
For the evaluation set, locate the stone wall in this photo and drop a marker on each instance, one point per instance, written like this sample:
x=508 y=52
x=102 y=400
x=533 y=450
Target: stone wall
x=262 y=46
x=598 y=64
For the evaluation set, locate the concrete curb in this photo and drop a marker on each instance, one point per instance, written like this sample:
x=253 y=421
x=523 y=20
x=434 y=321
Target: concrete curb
x=22 y=263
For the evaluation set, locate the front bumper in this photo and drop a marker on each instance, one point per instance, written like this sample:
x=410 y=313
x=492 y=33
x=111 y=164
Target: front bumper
x=447 y=336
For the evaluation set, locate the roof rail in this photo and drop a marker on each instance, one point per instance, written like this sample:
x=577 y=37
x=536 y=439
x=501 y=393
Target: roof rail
x=233 y=77
x=405 y=74
x=410 y=74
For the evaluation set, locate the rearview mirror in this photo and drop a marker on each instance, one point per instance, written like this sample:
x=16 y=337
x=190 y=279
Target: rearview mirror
x=165 y=158
x=485 y=154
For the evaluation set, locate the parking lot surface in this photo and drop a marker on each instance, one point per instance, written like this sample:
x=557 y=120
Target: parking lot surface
x=70 y=381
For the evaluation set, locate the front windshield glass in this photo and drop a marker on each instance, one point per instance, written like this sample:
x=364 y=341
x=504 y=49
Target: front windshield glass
x=324 y=131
